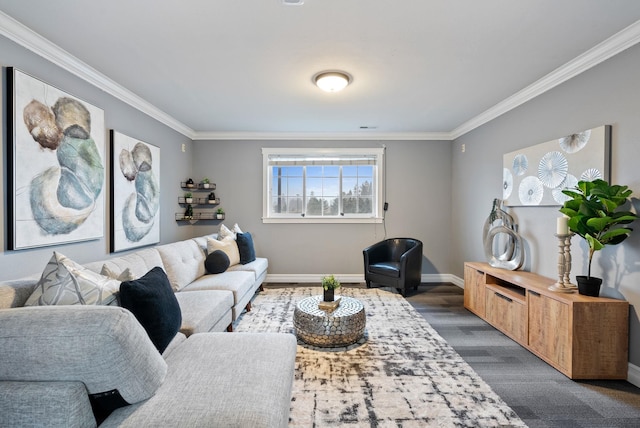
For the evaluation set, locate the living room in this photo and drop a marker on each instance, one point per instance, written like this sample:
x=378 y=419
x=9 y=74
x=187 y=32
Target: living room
x=439 y=190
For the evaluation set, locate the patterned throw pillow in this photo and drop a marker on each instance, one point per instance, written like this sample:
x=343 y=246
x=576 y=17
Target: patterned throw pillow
x=65 y=282
x=228 y=245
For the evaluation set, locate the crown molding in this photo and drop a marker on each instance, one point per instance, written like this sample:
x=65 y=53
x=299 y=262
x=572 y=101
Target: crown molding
x=29 y=39
x=365 y=135
x=612 y=46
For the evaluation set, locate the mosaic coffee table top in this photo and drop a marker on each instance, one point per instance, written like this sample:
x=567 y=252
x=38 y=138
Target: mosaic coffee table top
x=340 y=327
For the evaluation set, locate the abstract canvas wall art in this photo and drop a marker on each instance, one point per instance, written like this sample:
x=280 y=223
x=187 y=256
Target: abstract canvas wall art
x=56 y=168
x=135 y=180
x=537 y=175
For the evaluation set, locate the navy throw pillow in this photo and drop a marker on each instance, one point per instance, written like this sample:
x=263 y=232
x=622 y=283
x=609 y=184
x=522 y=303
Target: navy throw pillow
x=245 y=247
x=153 y=303
x=217 y=262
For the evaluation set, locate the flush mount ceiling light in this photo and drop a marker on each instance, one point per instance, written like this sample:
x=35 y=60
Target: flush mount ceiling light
x=332 y=81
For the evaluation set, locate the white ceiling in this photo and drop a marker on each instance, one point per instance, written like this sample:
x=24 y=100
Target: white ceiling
x=243 y=68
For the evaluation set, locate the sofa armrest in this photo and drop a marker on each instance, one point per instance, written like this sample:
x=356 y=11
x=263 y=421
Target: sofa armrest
x=54 y=404
x=103 y=347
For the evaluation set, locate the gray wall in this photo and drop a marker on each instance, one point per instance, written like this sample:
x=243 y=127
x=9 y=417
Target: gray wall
x=175 y=165
x=606 y=94
x=418 y=192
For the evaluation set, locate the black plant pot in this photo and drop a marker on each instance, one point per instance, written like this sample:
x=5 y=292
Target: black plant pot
x=589 y=286
x=328 y=295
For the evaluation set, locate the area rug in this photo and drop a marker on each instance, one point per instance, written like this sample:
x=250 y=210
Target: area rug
x=402 y=373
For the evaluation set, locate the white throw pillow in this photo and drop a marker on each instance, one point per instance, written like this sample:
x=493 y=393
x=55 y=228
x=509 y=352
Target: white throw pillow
x=125 y=275
x=225 y=232
x=228 y=245
x=65 y=282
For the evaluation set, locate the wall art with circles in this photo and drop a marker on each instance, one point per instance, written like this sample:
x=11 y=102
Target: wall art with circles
x=536 y=175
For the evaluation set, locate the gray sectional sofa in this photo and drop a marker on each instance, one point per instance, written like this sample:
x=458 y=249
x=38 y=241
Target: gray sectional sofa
x=58 y=361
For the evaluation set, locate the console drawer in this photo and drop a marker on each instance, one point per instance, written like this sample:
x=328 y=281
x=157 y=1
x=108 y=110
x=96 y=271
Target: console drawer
x=507 y=313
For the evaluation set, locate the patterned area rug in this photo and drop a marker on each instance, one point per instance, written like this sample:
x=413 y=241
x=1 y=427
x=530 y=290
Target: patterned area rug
x=400 y=374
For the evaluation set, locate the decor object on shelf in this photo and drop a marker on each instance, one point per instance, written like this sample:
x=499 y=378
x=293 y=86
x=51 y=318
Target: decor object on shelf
x=593 y=214
x=503 y=246
x=205 y=183
x=188 y=213
x=55 y=196
x=190 y=183
x=563 y=285
x=220 y=214
x=135 y=180
x=188 y=198
x=329 y=285
x=537 y=175
x=332 y=81
x=212 y=198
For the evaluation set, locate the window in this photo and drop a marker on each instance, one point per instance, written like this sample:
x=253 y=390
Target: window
x=323 y=185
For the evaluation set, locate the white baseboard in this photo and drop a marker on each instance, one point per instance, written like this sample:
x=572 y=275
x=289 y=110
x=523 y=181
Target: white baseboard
x=354 y=278
x=633 y=374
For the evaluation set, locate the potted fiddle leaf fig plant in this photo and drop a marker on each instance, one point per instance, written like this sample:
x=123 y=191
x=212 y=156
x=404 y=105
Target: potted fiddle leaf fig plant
x=329 y=285
x=595 y=214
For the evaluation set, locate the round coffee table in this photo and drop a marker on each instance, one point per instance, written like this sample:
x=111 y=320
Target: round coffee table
x=340 y=327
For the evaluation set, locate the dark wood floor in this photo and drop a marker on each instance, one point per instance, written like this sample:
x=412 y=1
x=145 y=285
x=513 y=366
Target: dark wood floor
x=540 y=395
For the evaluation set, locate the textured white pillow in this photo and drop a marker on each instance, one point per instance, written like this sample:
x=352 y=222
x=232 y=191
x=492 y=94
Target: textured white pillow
x=65 y=282
x=125 y=275
x=225 y=232
x=228 y=245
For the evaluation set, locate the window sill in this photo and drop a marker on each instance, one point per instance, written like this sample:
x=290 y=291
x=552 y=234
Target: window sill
x=303 y=220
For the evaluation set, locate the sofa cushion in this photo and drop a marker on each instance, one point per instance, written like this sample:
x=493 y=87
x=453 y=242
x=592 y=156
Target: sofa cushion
x=103 y=347
x=228 y=245
x=202 y=310
x=240 y=283
x=258 y=267
x=183 y=262
x=216 y=262
x=152 y=301
x=65 y=282
x=202 y=241
x=245 y=248
x=391 y=269
x=138 y=263
x=223 y=380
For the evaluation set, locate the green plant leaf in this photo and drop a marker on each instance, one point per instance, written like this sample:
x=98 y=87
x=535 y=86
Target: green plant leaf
x=594 y=243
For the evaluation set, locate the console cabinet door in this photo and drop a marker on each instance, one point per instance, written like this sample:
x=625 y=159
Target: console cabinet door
x=549 y=330
x=474 y=291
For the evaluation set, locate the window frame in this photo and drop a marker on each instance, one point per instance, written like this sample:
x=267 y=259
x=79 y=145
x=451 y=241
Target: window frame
x=378 y=181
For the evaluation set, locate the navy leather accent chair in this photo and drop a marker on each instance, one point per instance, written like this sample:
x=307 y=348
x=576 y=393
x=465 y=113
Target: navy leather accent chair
x=395 y=263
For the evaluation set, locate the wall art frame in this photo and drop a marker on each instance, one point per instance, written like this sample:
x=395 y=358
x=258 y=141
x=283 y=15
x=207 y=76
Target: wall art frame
x=135 y=196
x=536 y=175
x=55 y=167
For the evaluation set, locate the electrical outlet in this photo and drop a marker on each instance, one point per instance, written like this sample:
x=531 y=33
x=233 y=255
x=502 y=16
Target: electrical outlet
x=463 y=148
x=184 y=147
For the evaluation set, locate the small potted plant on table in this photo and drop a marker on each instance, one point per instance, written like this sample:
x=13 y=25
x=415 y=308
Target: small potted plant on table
x=329 y=285
x=593 y=215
